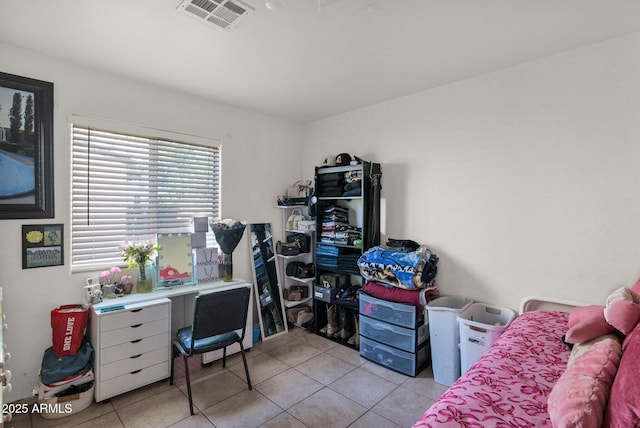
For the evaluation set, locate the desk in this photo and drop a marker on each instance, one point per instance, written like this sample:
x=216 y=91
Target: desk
x=132 y=343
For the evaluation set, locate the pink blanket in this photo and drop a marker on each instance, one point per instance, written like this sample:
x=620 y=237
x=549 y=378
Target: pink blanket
x=509 y=385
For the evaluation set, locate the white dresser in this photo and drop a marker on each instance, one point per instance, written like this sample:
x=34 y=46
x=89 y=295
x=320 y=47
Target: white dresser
x=131 y=345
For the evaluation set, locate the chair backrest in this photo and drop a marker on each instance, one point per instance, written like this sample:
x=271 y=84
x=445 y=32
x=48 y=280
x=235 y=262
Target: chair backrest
x=221 y=312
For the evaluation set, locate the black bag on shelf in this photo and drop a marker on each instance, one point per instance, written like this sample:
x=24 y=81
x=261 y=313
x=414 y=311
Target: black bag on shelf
x=288 y=248
x=293 y=268
x=302 y=239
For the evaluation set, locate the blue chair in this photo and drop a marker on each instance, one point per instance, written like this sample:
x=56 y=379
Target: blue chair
x=218 y=317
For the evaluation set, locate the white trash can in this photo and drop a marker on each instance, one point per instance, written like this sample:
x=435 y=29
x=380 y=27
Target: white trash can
x=480 y=326
x=445 y=337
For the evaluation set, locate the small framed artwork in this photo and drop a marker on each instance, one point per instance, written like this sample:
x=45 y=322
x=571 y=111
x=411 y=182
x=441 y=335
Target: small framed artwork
x=42 y=245
x=26 y=147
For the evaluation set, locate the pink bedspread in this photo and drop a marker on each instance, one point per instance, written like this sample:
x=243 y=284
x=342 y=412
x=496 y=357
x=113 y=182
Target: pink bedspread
x=509 y=385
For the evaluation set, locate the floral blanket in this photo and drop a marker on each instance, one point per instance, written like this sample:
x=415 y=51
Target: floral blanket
x=509 y=385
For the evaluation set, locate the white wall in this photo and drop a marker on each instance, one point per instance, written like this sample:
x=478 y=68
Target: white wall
x=523 y=181
x=259 y=158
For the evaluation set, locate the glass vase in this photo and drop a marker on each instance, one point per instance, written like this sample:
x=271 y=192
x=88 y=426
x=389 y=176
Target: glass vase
x=145 y=279
x=227 y=267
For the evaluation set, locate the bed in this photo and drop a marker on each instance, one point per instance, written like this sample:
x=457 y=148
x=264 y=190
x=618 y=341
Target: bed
x=511 y=384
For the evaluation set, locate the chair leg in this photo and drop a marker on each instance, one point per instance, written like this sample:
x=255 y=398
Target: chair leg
x=224 y=357
x=246 y=368
x=173 y=357
x=186 y=375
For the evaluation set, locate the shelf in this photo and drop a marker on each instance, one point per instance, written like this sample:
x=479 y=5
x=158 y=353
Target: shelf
x=333 y=244
x=292 y=303
x=344 y=168
x=303 y=280
x=333 y=198
x=282 y=256
x=299 y=231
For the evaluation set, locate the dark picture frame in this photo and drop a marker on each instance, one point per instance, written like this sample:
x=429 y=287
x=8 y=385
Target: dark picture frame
x=26 y=148
x=42 y=245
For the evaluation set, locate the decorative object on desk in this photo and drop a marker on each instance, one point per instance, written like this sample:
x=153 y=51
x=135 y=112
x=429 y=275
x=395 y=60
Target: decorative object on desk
x=127 y=284
x=108 y=282
x=175 y=260
x=207 y=264
x=228 y=233
x=140 y=254
x=92 y=294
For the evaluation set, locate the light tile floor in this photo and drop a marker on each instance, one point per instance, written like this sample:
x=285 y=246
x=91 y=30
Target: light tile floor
x=299 y=379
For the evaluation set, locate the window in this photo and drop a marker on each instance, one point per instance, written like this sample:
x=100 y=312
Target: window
x=130 y=187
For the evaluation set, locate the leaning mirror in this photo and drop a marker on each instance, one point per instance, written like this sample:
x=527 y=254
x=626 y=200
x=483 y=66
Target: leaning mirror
x=268 y=293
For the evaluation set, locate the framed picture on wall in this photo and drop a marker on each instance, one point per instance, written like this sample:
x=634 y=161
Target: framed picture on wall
x=26 y=148
x=42 y=245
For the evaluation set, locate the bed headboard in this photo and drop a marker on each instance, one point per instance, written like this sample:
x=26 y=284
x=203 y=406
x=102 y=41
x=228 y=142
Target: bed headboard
x=534 y=303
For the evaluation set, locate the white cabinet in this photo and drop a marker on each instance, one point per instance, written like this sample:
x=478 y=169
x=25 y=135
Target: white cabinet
x=132 y=346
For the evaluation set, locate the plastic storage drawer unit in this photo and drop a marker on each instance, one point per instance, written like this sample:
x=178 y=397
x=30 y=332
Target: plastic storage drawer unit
x=394 y=359
x=389 y=334
x=400 y=314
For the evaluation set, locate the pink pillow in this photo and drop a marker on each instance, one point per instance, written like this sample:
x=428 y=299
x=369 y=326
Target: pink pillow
x=636 y=286
x=579 y=398
x=586 y=323
x=623 y=409
x=623 y=309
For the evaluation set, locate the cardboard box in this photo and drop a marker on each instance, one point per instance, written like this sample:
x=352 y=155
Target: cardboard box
x=306 y=225
x=325 y=294
x=333 y=280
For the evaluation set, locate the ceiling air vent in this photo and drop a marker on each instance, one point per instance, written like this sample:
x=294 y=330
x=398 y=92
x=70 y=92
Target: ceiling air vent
x=222 y=13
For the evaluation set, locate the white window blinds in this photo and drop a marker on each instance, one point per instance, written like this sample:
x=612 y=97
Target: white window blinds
x=128 y=187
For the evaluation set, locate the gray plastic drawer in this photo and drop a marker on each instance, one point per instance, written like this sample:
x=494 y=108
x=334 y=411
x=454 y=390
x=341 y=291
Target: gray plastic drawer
x=393 y=335
x=394 y=359
x=400 y=314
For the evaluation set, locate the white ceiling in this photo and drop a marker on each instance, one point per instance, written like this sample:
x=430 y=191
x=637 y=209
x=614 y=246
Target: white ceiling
x=313 y=58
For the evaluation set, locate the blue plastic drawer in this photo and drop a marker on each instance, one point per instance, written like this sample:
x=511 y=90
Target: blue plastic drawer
x=393 y=335
x=400 y=314
x=394 y=359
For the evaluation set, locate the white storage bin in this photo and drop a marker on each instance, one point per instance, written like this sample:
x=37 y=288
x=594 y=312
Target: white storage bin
x=399 y=337
x=480 y=326
x=445 y=337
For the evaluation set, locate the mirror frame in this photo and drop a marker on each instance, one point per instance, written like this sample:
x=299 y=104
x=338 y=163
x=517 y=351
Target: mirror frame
x=262 y=249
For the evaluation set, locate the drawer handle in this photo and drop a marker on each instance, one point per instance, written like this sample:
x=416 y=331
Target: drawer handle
x=135 y=326
x=137 y=310
x=136 y=341
x=135 y=356
x=137 y=371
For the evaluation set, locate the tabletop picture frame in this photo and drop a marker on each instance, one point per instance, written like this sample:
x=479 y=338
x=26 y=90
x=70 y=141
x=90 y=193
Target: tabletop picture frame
x=26 y=148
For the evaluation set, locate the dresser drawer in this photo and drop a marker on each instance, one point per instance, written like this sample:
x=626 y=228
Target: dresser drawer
x=399 y=337
x=394 y=359
x=400 y=314
x=135 y=347
x=129 y=381
x=135 y=332
x=131 y=317
x=133 y=364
